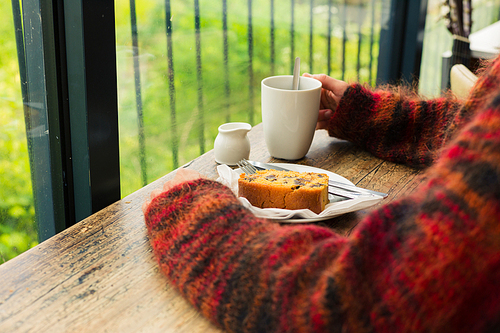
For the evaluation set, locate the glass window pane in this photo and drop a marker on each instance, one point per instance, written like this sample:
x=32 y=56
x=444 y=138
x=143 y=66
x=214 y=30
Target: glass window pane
x=186 y=67
x=18 y=231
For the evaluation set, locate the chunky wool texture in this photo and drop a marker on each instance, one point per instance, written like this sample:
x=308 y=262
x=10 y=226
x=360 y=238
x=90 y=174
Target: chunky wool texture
x=427 y=262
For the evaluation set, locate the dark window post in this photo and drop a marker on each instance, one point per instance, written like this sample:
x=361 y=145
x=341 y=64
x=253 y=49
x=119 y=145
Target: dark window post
x=93 y=103
x=401 y=40
x=68 y=67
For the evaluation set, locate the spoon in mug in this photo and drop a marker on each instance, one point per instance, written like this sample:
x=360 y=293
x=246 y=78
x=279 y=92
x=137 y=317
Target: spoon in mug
x=296 y=71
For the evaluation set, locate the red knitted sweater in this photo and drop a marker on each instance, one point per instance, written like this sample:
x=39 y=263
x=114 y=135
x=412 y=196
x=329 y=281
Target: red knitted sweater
x=427 y=262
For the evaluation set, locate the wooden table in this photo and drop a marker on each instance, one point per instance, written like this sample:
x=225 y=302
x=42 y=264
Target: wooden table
x=100 y=274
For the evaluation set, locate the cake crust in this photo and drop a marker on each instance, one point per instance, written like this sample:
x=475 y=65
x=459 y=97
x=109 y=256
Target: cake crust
x=285 y=189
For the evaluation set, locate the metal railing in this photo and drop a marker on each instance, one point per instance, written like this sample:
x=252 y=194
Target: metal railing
x=361 y=29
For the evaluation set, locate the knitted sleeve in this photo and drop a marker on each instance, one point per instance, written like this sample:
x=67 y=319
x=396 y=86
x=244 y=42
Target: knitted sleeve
x=429 y=262
x=395 y=126
x=399 y=126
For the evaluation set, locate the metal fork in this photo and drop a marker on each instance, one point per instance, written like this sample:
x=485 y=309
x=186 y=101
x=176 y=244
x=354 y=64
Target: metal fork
x=247 y=167
x=250 y=169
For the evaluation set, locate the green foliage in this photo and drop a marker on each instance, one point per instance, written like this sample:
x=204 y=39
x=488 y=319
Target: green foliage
x=17 y=222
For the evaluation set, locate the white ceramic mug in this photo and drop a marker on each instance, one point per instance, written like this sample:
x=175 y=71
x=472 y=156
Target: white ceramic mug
x=289 y=116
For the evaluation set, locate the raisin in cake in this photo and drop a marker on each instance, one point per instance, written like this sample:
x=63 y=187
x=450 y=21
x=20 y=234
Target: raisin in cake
x=285 y=189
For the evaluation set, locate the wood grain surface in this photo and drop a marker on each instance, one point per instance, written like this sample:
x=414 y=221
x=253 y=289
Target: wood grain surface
x=100 y=274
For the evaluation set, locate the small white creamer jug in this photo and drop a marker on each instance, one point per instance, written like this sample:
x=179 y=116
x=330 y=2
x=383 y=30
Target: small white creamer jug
x=232 y=144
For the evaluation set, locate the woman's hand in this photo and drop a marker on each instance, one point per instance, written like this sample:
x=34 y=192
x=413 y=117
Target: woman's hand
x=331 y=93
x=181 y=176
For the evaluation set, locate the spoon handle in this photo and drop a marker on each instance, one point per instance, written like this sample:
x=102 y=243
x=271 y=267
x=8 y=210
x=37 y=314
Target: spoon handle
x=296 y=71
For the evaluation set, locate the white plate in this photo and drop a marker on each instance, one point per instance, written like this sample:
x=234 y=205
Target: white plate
x=359 y=203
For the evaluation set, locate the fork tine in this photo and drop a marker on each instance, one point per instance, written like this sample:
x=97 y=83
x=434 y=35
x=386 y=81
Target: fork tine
x=254 y=169
x=250 y=170
x=245 y=163
x=249 y=166
x=244 y=166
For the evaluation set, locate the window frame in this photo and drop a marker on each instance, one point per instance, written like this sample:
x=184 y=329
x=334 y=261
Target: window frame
x=401 y=42
x=80 y=81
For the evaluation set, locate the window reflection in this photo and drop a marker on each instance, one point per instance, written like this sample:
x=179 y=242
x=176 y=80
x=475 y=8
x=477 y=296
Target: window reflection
x=22 y=117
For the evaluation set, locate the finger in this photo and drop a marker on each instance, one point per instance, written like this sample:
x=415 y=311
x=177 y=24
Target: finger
x=168 y=185
x=171 y=183
x=324 y=114
x=145 y=206
x=323 y=118
x=336 y=86
x=155 y=193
